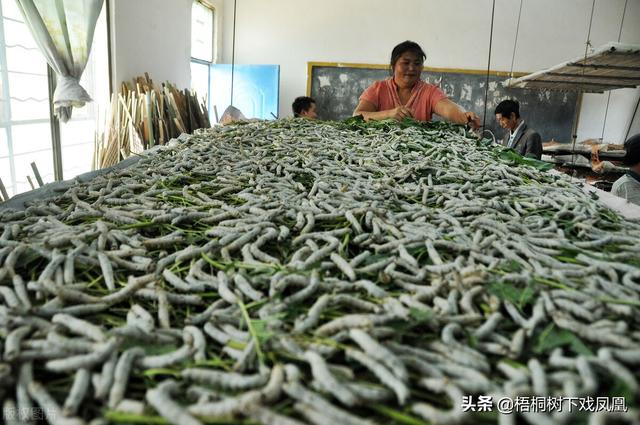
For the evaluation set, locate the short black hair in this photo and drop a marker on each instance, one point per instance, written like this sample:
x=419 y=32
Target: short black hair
x=302 y=103
x=506 y=107
x=404 y=47
x=632 y=146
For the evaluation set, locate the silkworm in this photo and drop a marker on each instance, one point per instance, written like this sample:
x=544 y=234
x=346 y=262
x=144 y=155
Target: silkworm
x=245 y=287
x=225 y=380
x=160 y=399
x=223 y=288
x=79 y=326
x=12 y=343
x=436 y=415
x=268 y=417
x=78 y=392
x=226 y=407
x=383 y=374
x=121 y=375
x=107 y=271
x=103 y=381
x=84 y=360
x=164 y=360
x=326 y=379
x=394 y=245
x=353 y=321
x=343 y=266
x=309 y=398
x=380 y=353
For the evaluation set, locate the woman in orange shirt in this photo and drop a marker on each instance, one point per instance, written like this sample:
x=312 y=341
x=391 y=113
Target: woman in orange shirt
x=404 y=94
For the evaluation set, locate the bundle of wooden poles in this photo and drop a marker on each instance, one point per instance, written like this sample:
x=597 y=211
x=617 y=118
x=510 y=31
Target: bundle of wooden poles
x=144 y=114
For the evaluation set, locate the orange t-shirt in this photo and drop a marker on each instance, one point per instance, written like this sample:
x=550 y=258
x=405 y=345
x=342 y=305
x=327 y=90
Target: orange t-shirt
x=384 y=95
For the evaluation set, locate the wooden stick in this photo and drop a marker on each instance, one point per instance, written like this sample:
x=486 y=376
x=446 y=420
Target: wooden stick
x=37 y=173
x=5 y=195
x=31 y=183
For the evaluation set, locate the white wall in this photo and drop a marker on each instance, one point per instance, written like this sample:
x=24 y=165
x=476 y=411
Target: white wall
x=151 y=36
x=454 y=33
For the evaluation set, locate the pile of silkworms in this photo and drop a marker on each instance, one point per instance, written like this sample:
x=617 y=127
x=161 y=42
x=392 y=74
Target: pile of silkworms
x=292 y=272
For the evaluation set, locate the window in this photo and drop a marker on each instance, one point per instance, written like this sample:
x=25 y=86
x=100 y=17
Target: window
x=25 y=125
x=201 y=49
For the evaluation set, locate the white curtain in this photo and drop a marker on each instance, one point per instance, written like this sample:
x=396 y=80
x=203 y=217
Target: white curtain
x=63 y=29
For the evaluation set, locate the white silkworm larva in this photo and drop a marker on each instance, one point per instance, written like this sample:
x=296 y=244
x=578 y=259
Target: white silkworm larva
x=343 y=266
x=13 y=341
x=538 y=377
x=266 y=416
x=80 y=327
x=327 y=381
x=328 y=410
x=380 y=353
x=228 y=406
x=382 y=373
x=223 y=288
x=105 y=378
x=353 y=321
x=49 y=406
x=77 y=393
x=107 y=271
x=164 y=360
x=121 y=375
x=160 y=399
x=225 y=380
x=163 y=309
x=313 y=315
x=199 y=343
x=242 y=283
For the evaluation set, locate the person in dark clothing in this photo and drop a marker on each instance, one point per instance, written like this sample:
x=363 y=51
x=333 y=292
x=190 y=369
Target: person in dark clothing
x=304 y=106
x=524 y=140
x=628 y=186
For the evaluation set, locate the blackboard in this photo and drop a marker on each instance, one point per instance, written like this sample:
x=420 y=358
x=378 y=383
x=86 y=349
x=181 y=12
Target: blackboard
x=337 y=87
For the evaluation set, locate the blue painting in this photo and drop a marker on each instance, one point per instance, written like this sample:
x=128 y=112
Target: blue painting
x=256 y=89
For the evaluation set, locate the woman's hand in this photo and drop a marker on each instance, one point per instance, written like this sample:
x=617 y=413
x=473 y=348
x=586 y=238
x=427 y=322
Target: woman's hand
x=454 y=113
x=370 y=112
x=399 y=113
x=472 y=119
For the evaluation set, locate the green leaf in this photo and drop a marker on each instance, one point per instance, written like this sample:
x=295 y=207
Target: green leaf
x=509 y=155
x=420 y=315
x=621 y=389
x=153 y=350
x=257 y=329
x=397 y=415
x=214 y=263
x=161 y=371
x=236 y=345
x=552 y=337
x=520 y=297
x=132 y=418
x=262 y=333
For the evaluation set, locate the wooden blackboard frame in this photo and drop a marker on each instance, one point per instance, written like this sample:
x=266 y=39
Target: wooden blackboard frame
x=311 y=65
x=476 y=72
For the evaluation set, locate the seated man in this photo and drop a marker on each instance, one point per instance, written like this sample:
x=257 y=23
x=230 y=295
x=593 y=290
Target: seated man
x=304 y=106
x=628 y=186
x=526 y=141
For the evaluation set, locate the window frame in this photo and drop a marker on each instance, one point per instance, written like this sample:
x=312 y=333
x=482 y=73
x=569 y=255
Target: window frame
x=198 y=61
x=6 y=121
